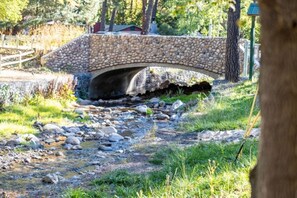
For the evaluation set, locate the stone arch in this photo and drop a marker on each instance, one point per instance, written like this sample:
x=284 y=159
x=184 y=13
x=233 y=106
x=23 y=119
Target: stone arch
x=113 y=82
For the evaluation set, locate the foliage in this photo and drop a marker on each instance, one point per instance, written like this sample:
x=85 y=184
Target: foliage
x=228 y=111
x=149 y=112
x=204 y=170
x=10 y=10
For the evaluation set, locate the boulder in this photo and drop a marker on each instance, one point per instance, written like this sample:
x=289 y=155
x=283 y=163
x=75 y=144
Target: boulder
x=72 y=140
x=53 y=128
x=162 y=116
x=177 y=104
x=50 y=179
x=109 y=130
x=141 y=109
x=115 y=137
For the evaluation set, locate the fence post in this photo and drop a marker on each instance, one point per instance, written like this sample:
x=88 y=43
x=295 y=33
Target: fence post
x=2 y=40
x=20 y=59
x=246 y=58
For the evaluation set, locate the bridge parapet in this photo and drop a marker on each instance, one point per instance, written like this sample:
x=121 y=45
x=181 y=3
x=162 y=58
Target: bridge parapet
x=94 y=52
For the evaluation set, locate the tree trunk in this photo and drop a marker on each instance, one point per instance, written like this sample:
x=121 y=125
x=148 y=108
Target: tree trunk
x=232 y=65
x=113 y=15
x=144 y=2
x=131 y=8
x=154 y=15
x=148 y=16
x=277 y=164
x=103 y=15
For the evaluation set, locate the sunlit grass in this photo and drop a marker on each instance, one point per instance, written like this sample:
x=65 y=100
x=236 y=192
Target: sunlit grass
x=226 y=112
x=19 y=118
x=204 y=170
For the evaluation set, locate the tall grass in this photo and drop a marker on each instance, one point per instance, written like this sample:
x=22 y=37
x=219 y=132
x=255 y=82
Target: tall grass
x=205 y=170
x=228 y=111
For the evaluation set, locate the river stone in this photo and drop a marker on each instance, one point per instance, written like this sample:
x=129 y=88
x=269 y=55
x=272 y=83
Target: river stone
x=84 y=102
x=154 y=100
x=53 y=128
x=73 y=129
x=141 y=108
x=162 y=104
x=49 y=140
x=68 y=146
x=72 y=140
x=79 y=111
x=174 y=117
x=109 y=130
x=115 y=137
x=176 y=105
x=76 y=147
x=105 y=148
x=162 y=116
x=50 y=179
x=30 y=137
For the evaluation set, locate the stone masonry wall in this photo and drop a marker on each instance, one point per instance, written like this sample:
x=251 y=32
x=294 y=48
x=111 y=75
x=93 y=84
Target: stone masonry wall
x=94 y=52
x=202 y=53
x=72 y=57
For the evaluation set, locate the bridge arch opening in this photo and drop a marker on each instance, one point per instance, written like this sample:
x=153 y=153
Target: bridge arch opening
x=117 y=81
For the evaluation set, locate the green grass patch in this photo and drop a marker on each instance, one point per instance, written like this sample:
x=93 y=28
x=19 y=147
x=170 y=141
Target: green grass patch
x=183 y=97
x=227 y=112
x=204 y=170
x=19 y=118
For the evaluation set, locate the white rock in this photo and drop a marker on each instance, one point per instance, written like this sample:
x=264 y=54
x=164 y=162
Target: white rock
x=115 y=137
x=141 y=108
x=109 y=130
x=79 y=111
x=176 y=105
x=72 y=140
x=53 y=128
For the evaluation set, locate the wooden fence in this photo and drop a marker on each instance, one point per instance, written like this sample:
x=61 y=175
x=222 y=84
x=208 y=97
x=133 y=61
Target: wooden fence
x=25 y=42
x=19 y=58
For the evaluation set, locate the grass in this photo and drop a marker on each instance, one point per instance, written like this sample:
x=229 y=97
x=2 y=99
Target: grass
x=19 y=118
x=204 y=170
x=183 y=97
x=227 y=112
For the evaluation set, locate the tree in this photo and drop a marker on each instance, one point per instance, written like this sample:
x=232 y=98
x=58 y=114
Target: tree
x=155 y=9
x=276 y=174
x=232 y=65
x=103 y=15
x=10 y=10
x=147 y=16
x=116 y=5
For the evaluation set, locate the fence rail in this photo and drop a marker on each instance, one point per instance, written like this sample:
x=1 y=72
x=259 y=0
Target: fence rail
x=19 y=58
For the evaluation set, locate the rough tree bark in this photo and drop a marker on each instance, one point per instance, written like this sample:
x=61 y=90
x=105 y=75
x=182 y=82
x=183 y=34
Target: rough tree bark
x=113 y=15
x=232 y=65
x=155 y=9
x=148 y=16
x=103 y=15
x=277 y=163
x=144 y=4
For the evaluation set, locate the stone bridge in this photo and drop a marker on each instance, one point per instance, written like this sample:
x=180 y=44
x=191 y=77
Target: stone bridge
x=113 y=60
